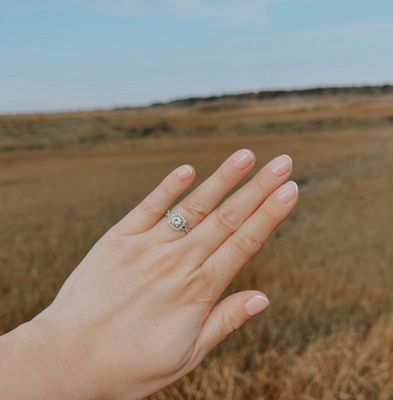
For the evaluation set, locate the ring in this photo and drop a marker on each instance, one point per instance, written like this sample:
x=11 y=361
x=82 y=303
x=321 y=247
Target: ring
x=177 y=221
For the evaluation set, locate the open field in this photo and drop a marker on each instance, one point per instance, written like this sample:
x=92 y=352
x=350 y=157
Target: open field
x=328 y=271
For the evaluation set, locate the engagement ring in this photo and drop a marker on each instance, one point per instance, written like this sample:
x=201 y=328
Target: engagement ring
x=177 y=221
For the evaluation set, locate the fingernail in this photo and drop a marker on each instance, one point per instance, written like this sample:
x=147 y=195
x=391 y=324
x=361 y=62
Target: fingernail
x=256 y=305
x=184 y=172
x=243 y=158
x=287 y=191
x=281 y=165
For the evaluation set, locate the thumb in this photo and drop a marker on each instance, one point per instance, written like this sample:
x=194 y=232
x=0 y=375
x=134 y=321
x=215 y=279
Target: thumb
x=229 y=315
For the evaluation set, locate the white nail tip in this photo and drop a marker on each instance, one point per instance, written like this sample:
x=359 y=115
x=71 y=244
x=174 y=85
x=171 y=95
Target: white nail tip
x=256 y=304
x=296 y=186
x=261 y=297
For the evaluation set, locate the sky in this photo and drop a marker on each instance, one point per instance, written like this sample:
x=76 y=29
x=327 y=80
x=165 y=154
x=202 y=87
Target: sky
x=87 y=54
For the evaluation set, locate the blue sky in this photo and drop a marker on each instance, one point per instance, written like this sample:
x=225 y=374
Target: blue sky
x=100 y=53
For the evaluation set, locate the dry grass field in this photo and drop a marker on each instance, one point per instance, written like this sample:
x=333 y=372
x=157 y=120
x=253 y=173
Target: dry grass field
x=328 y=271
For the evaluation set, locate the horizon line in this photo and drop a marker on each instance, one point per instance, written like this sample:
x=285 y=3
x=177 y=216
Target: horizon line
x=278 y=91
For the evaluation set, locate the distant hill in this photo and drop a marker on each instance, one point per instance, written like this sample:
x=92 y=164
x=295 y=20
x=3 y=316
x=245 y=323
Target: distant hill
x=271 y=94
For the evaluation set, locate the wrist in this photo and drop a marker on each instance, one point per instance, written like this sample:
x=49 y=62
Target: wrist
x=38 y=355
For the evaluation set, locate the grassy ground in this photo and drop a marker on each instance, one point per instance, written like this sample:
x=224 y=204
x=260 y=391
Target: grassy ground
x=328 y=334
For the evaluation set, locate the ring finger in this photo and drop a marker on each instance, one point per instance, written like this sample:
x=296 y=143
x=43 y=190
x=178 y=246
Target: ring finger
x=200 y=202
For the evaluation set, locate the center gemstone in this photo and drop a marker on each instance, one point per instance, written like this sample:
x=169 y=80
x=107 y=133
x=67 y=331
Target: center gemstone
x=177 y=221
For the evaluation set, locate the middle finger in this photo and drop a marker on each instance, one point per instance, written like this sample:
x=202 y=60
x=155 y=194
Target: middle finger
x=228 y=217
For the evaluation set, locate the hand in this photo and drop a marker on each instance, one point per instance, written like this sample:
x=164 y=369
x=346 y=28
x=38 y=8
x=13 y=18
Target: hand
x=140 y=310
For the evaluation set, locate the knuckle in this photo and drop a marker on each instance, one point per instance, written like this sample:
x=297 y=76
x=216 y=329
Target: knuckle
x=222 y=176
x=264 y=181
x=245 y=244
x=151 y=208
x=273 y=213
x=229 y=324
x=227 y=217
x=194 y=206
x=117 y=245
x=168 y=189
x=112 y=240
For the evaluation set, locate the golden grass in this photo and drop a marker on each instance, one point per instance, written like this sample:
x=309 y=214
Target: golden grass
x=328 y=333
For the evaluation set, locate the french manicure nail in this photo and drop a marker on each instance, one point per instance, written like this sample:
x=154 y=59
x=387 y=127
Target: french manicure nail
x=287 y=191
x=184 y=172
x=281 y=165
x=243 y=158
x=256 y=305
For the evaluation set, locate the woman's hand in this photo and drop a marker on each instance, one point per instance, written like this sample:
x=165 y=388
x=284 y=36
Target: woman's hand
x=140 y=310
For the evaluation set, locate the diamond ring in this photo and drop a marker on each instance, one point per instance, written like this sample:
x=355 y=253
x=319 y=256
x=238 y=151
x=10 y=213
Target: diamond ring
x=177 y=221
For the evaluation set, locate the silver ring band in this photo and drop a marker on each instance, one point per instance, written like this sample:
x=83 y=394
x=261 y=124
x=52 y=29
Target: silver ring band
x=177 y=221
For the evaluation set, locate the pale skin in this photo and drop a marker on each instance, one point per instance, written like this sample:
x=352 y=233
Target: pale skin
x=142 y=309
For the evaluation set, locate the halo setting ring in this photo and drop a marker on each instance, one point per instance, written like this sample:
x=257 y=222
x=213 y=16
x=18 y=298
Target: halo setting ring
x=177 y=221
